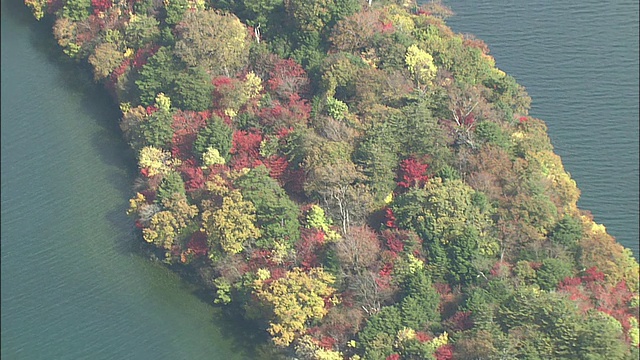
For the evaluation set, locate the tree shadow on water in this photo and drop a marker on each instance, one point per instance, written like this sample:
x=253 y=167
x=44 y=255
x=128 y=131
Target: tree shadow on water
x=119 y=160
x=40 y=34
x=97 y=106
x=248 y=337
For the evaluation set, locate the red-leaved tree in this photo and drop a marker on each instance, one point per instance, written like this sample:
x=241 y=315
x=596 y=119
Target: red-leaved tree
x=412 y=173
x=287 y=78
x=100 y=5
x=308 y=248
x=591 y=291
x=245 y=150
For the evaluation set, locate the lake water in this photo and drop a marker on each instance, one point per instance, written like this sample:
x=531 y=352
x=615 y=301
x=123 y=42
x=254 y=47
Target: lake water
x=579 y=63
x=73 y=286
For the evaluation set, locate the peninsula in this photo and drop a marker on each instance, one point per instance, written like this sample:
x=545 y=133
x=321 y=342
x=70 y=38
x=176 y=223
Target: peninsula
x=353 y=178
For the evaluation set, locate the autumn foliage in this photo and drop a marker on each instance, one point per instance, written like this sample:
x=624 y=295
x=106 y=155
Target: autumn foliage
x=360 y=180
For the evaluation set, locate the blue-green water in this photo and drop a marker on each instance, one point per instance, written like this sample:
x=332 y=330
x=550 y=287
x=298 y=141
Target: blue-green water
x=579 y=62
x=73 y=286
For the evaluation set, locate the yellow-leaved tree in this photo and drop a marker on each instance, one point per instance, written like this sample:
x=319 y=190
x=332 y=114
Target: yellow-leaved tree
x=232 y=224
x=295 y=299
x=421 y=66
x=166 y=226
x=155 y=160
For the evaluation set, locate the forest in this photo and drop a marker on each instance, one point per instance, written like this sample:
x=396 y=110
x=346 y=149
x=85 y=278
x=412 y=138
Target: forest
x=353 y=179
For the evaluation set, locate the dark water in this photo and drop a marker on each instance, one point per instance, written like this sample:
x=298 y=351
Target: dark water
x=579 y=62
x=72 y=285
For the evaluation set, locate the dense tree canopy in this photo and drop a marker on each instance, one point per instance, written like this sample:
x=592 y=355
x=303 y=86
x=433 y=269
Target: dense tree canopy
x=217 y=42
x=362 y=182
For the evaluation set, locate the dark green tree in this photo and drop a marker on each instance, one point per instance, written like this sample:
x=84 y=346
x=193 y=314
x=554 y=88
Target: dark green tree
x=419 y=308
x=192 y=90
x=276 y=214
x=175 y=10
x=552 y=272
x=217 y=135
x=157 y=75
x=490 y=132
x=602 y=338
x=141 y=31
x=418 y=133
x=377 y=337
x=461 y=252
x=171 y=184
x=156 y=130
x=76 y=10
x=552 y=313
x=376 y=155
x=567 y=231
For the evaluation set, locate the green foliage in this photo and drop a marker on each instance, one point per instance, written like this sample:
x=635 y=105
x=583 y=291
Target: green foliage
x=552 y=313
x=171 y=184
x=419 y=307
x=276 y=214
x=461 y=252
x=113 y=36
x=267 y=14
x=157 y=75
x=376 y=338
x=490 y=132
x=146 y=7
x=448 y=172
x=344 y=8
x=142 y=30
x=310 y=16
x=216 y=134
x=530 y=342
x=336 y=108
x=567 y=231
x=219 y=43
x=258 y=9
x=601 y=338
x=192 y=90
x=166 y=37
x=76 y=10
x=418 y=133
x=454 y=229
x=552 y=272
x=223 y=289
x=417 y=310
x=156 y=130
x=175 y=9
x=309 y=53
x=378 y=158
